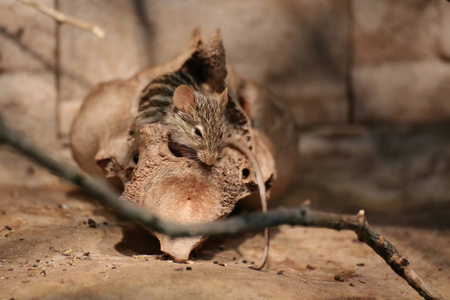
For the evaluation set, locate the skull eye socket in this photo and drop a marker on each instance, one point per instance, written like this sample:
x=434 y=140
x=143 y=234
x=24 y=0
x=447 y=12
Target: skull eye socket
x=197 y=132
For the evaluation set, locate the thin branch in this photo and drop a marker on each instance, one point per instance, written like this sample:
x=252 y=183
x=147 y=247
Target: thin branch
x=392 y=257
x=63 y=18
x=299 y=216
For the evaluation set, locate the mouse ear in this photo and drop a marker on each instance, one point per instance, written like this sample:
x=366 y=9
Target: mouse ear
x=183 y=98
x=224 y=98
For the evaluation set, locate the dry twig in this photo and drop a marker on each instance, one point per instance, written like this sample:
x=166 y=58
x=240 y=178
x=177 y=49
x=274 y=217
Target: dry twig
x=63 y=18
x=303 y=215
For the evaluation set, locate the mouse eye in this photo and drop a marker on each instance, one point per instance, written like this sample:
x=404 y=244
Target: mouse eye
x=198 y=132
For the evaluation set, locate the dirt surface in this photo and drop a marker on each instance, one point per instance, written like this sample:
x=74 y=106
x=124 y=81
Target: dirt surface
x=56 y=244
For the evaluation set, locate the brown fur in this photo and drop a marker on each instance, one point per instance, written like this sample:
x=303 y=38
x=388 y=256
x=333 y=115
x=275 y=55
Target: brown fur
x=200 y=127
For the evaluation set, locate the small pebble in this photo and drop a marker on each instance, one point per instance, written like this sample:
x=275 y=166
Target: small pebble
x=310 y=267
x=68 y=252
x=216 y=262
x=244 y=261
x=188 y=268
x=8 y=228
x=338 y=277
x=35 y=266
x=222 y=265
x=280 y=272
x=360 y=265
x=351 y=284
x=92 y=223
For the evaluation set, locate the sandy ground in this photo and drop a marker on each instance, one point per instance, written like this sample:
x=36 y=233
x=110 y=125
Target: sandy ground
x=56 y=244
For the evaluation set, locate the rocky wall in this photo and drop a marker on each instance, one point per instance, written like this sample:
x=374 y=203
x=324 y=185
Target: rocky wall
x=367 y=82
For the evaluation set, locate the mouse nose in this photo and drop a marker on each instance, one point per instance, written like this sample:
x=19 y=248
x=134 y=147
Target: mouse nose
x=207 y=158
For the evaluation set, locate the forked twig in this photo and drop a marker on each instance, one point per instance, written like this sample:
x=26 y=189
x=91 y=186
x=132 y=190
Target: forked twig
x=63 y=18
x=374 y=240
x=299 y=216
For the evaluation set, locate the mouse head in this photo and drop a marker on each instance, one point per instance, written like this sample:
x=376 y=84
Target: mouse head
x=198 y=122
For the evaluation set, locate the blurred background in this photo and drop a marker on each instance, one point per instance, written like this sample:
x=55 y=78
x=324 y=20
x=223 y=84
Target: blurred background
x=367 y=81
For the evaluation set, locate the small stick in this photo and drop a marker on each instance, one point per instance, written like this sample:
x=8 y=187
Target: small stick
x=262 y=195
x=63 y=18
x=393 y=258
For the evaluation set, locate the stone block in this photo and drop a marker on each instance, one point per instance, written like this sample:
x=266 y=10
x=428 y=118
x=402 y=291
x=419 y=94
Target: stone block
x=397 y=74
x=66 y=114
x=86 y=60
x=27 y=37
x=28 y=104
x=391 y=31
x=27 y=88
x=402 y=92
x=382 y=169
x=444 y=30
